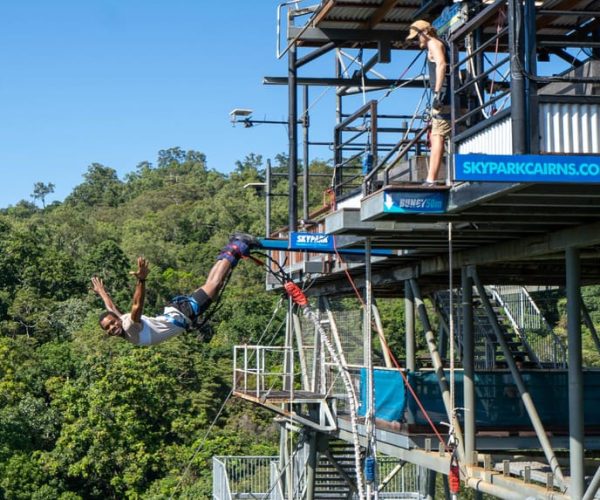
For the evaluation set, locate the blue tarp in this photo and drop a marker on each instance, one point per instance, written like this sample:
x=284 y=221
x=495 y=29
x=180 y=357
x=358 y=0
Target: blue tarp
x=498 y=403
x=390 y=394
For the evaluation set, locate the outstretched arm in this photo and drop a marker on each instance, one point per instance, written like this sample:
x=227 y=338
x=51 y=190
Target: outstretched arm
x=140 y=290
x=98 y=287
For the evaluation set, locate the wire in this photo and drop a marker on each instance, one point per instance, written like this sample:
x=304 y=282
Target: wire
x=226 y=400
x=394 y=360
x=451 y=321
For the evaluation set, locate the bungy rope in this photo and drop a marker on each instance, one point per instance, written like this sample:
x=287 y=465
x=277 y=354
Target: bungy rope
x=311 y=316
x=298 y=297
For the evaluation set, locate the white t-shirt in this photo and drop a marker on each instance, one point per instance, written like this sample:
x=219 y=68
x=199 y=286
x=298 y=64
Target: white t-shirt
x=151 y=331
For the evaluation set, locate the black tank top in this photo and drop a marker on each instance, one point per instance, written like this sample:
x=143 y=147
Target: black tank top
x=445 y=88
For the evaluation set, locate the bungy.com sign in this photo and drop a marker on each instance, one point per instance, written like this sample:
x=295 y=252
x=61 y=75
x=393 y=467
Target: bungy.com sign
x=527 y=168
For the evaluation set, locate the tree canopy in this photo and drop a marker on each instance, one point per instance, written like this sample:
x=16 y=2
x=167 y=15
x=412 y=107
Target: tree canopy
x=87 y=416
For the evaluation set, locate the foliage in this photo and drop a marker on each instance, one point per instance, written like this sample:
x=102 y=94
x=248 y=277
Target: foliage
x=86 y=416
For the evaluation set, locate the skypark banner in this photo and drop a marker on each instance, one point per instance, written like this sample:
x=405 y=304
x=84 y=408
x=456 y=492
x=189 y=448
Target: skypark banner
x=527 y=168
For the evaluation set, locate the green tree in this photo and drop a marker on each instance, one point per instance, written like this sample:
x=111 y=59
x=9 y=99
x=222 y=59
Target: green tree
x=41 y=190
x=101 y=186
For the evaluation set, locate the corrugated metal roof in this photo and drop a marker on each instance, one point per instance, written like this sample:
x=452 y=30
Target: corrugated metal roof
x=385 y=15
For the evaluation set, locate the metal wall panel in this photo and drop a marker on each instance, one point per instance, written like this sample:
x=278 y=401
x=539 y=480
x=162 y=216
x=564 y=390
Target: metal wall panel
x=569 y=128
x=494 y=140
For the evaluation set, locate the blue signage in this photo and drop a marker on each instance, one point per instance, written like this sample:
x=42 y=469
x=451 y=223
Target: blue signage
x=527 y=168
x=318 y=243
x=452 y=17
x=315 y=242
x=415 y=202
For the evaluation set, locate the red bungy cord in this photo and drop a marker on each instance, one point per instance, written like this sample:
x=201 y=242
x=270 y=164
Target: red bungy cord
x=295 y=293
x=454 y=478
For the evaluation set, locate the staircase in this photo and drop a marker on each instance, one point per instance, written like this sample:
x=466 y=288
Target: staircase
x=488 y=352
x=335 y=477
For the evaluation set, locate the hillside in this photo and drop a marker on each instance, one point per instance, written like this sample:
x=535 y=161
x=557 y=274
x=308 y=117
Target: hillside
x=87 y=416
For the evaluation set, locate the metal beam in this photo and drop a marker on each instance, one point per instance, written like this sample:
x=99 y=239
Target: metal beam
x=468 y=353
x=348 y=36
x=526 y=248
x=379 y=14
x=293 y=140
x=438 y=367
x=324 y=10
x=576 y=424
x=523 y=391
x=315 y=54
x=593 y=487
x=409 y=318
x=369 y=83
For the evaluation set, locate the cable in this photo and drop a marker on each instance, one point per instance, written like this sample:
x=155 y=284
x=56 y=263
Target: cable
x=212 y=424
x=393 y=358
x=342 y=369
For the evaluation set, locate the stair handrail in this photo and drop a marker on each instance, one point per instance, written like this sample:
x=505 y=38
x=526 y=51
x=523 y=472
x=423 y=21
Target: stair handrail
x=515 y=325
x=556 y=340
x=371 y=175
x=221 y=487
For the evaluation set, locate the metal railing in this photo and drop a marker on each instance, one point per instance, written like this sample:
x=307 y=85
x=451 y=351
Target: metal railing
x=531 y=325
x=473 y=88
x=526 y=319
x=263 y=368
x=257 y=477
x=348 y=170
x=239 y=477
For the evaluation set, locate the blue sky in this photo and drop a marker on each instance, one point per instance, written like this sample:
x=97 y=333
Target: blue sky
x=115 y=81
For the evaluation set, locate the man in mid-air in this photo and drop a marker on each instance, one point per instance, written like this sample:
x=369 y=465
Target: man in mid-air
x=182 y=312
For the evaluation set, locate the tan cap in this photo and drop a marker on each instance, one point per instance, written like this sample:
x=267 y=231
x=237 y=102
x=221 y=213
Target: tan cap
x=416 y=27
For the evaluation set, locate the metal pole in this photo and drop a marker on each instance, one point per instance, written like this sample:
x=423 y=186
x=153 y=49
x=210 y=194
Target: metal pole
x=593 y=487
x=468 y=365
x=337 y=139
x=517 y=85
x=431 y=477
x=301 y=354
x=576 y=429
x=268 y=199
x=293 y=140
x=530 y=57
x=368 y=356
x=523 y=391
x=305 y=186
x=381 y=336
x=311 y=465
x=438 y=367
x=289 y=346
x=409 y=320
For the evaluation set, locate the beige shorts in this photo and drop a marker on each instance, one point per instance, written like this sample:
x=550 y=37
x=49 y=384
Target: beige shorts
x=439 y=126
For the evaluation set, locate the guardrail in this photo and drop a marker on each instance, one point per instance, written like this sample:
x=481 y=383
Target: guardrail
x=260 y=368
x=239 y=477
x=528 y=320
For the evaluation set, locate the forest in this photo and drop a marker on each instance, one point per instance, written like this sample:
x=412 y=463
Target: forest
x=86 y=416
x=83 y=415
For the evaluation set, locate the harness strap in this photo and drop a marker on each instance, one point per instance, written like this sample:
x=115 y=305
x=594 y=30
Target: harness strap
x=187 y=299
x=170 y=317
